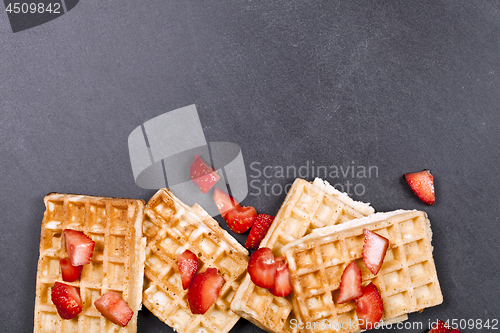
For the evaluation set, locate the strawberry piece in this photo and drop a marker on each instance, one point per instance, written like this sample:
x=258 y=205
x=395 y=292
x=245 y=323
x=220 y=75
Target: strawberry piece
x=282 y=283
x=374 y=250
x=69 y=272
x=202 y=175
x=188 y=266
x=79 y=247
x=259 y=230
x=240 y=219
x=440 y=327
x=224 y=201
x=67 y=300
x=369 y=307
x=204 y=290
x=350 y=284
x=262 y=268
x=422 y=184
x=114 y=308
x=456 y=330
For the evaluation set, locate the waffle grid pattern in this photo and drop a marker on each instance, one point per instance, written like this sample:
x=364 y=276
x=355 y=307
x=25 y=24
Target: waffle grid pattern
x=172 y=227
x=407 y=280
x=111 y=225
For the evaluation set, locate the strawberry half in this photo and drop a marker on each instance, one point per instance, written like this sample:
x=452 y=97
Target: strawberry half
x=259 y=230
x=204 y=290
x=456 y=330
x=67 y=300
x=69 y=272
x=224 y=201
x=369 y=307
x=262 y=268
x=202 y=175
x=240 y=219
x=422 y=184
x=78 y=246
x=114 y=308
x=282 y=283
x=188 y=266
x=350 y=284
x=440 y=327
x=374 y=250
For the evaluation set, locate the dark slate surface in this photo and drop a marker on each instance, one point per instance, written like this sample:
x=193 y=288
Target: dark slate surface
x=396 y=85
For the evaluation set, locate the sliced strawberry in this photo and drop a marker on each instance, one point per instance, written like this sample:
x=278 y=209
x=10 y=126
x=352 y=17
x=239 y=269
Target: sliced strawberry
x=282 y=283
x=262 y=268
x=202 y=175
x=67 y=300
x=188 y=266
x=240 y=219
x=259 y=230
x=374 y=250
x=422 y=184
x=79 y=247
x=204 y=290
x=369 y=307
x=114 y=308
x=224 y=201
x=456 y=330
x=350 y=284
x=440 y=327
x=69 y=272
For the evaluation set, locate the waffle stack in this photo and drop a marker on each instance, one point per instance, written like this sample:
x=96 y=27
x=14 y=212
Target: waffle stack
x=407 y=280
x=117 y=264
x=308 y=206
x=171 y=227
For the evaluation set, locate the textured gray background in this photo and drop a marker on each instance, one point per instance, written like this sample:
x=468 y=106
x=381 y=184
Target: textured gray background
x=401 y=85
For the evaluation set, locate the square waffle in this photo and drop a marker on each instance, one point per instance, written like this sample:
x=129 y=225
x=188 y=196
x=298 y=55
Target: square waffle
x=407 y=280
x=171 y=227
x=117 y=264
x=307 y=206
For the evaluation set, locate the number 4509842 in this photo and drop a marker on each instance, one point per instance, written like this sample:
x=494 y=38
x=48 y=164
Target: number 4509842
x=40 y=8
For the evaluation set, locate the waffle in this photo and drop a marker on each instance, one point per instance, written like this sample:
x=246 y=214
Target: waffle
x=307 y=206
x=171 y=227
x=407 y=280
x=117 y=262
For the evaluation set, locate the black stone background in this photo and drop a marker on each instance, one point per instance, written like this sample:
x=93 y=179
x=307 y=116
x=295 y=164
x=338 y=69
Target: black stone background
x=400 y=85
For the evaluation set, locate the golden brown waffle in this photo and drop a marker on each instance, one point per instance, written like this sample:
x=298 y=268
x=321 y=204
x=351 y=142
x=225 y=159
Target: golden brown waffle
x=117 y=263
x=171 y=227
x=407 y=280
x=307 y=206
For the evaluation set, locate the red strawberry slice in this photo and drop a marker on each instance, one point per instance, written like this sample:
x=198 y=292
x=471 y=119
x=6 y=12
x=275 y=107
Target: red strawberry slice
x=350 y=284
x=69 y=272
x=188 y=266
x=204 y=290
x=224 y=201
x=259 y=230
x=114 y=308
x=422 y=184
x=79 y=247
x=240 y=219
x=374 y=250
x=202 y=175
x=369 y=307
x=440 y=327
x=456 y=330
x=262 y=268
x=282 y=283
x=67 y=300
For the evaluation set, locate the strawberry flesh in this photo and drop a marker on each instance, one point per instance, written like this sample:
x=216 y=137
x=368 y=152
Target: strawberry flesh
x=67 y=300
x=374 y=250
x=422 y=184
x=114 y=308
x=204 y=290
x=69 y=272
x=262 y=268
x=78 y=246
x=369 y=307
x=259 y=230
x=282 y=283
x=224 y=201
x=202 y=175
x=187 y=263
x=441 y=327
x=240 y=219
x=350 y=284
